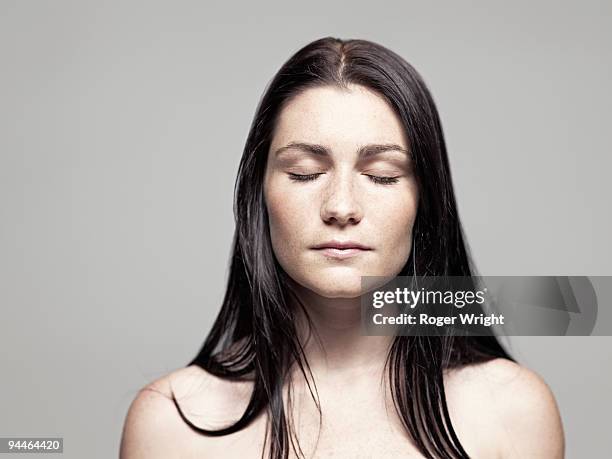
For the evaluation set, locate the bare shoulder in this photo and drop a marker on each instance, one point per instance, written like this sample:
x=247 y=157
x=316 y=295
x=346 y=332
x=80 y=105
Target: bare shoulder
x=514 y=403
x=153 y=426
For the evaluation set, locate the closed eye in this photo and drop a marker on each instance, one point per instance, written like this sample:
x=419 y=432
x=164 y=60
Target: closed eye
x=383 y=180
x=303 y=178
x=374 y=178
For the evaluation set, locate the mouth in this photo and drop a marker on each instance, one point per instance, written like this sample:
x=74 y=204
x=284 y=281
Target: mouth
x=341 y=249
x=340 y=254
x=336 y=244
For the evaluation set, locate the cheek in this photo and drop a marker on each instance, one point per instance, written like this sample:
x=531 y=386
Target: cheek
x=286 y=213
x=395 y=219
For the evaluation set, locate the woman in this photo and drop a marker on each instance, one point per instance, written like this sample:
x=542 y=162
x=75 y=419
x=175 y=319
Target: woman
x=344 y=174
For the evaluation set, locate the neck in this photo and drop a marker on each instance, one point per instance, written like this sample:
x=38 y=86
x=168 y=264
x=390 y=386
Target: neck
x=337 y=346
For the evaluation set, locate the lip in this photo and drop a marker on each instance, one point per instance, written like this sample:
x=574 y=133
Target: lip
x=341 y=249
x=340 y=254
x=342 y=245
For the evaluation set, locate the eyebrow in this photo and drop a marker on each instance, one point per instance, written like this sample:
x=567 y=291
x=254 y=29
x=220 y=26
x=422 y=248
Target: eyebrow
x=365 y=151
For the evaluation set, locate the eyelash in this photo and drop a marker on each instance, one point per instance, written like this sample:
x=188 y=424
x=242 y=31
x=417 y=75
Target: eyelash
x=374 y=178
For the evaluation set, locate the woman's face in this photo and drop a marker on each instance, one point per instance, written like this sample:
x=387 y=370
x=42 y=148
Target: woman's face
x=339 y=170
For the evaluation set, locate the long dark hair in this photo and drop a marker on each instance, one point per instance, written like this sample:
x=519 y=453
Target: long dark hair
x=254 y=336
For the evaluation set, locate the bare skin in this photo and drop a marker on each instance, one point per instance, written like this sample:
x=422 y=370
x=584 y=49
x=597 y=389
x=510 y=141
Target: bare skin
x=498 y=409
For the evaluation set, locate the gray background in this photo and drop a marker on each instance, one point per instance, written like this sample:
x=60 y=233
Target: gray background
x=121 y=128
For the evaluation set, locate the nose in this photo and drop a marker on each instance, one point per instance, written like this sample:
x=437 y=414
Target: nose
x=340 y=204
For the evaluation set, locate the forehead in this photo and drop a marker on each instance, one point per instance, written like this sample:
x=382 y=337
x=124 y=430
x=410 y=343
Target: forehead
x=334 y=116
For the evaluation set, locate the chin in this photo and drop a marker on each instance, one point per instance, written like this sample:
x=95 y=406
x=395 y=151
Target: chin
x=336 y=286
x=338 y=293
